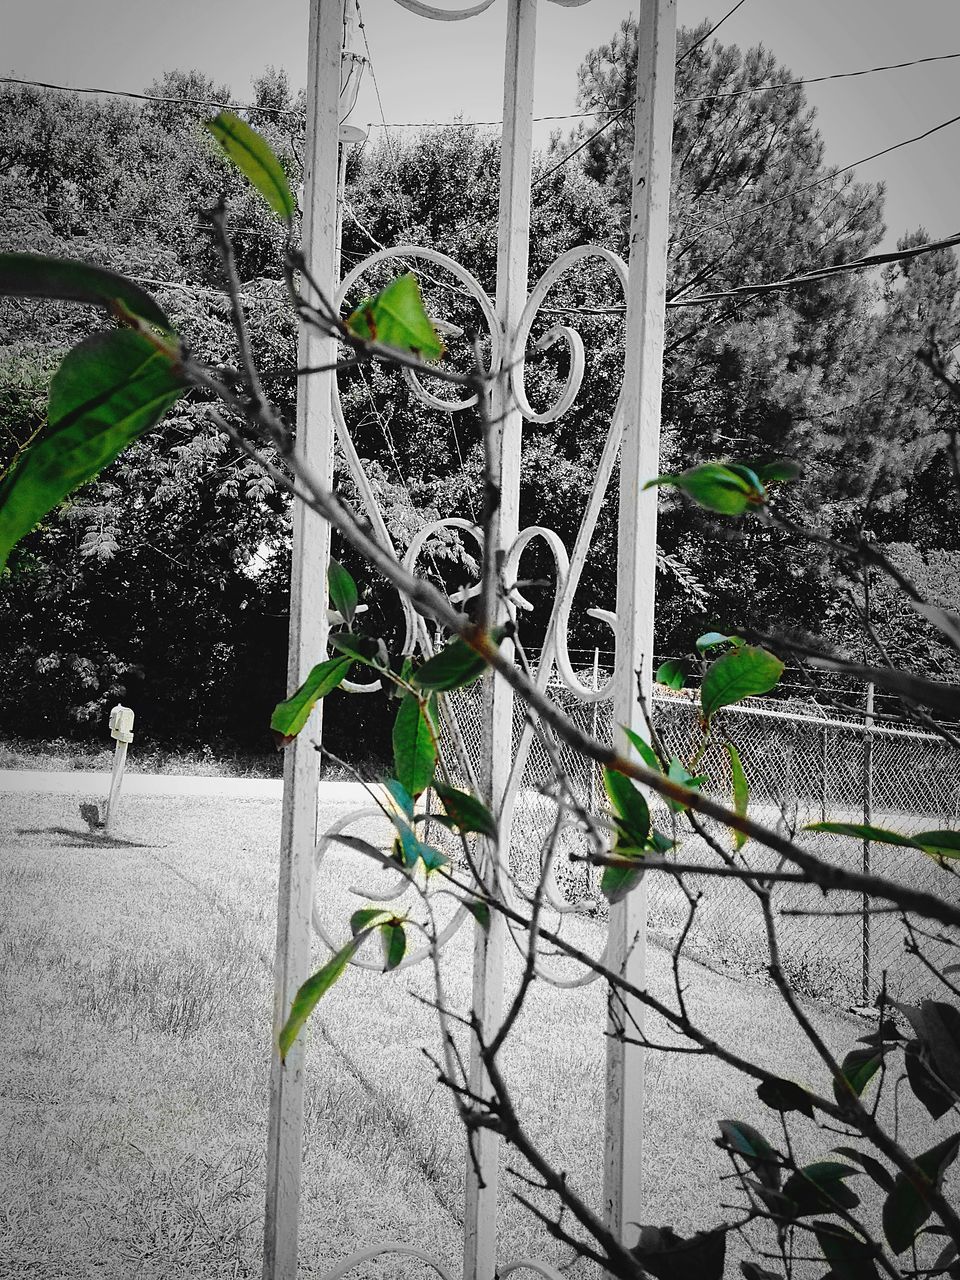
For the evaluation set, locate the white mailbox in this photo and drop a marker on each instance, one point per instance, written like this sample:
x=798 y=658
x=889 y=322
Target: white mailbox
x=121 y=723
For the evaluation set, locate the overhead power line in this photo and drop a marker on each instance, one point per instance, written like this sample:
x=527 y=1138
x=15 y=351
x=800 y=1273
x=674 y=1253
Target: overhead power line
x=768 y=86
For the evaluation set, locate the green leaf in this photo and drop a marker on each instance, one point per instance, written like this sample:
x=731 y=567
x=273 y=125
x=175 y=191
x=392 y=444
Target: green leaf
x=414 y=746
x=850 y=1258
x=819 y=1187
x=783 y=1095
x=30 y=275
x=364 y=918
x=858 y=1069
x=671 y=673
x=935 y=844
x=728 y=490
x=401 y=796
x=106 y=393
x=665 y=1255
x=468 y=813
x=254 y=158
x=366 y=649
x=711 y=640
x=778 y=472
x=456 y=664
x=741 y=792
x=743 y=672
x=394 y=941
x=314 y=989
x=432 y=858
x=877 y=835
x=480 y=912
x=643 y=749
x=290 y=716
x=343 y=591
x=925 y=1084
x=881 y=1175
x=629 y=806
x=752 y=1146
x=616 y=882
x=907 y=1208
x=395 y=318
x=680 y=774
x=938 y=844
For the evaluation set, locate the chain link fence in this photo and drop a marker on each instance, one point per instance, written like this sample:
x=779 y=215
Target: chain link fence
x=802 y=767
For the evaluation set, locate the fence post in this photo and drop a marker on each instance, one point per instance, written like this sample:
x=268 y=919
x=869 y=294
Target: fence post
x=867 y=817
x=121 y=729
x=307 y=642
x=636 y=572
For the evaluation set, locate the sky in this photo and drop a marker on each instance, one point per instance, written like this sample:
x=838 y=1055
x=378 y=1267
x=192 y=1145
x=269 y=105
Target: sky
x=435 y=71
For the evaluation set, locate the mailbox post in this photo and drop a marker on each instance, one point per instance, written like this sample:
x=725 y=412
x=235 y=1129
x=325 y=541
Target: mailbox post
x=121 y=729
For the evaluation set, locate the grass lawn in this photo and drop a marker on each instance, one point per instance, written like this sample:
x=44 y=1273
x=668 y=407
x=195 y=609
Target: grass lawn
x=135 y=997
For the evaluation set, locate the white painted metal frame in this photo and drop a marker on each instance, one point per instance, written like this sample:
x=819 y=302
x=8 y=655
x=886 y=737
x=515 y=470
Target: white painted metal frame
x=634 y=435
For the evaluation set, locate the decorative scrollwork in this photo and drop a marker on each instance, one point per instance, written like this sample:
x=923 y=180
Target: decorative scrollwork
x=377 y=1250
x=392 y=893
x=453 y=15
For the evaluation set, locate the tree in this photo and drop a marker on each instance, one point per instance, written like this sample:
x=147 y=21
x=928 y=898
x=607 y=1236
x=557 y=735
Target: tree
x=789 y=1203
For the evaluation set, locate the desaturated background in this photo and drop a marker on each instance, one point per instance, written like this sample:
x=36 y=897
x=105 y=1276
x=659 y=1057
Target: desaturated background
x=435 y=71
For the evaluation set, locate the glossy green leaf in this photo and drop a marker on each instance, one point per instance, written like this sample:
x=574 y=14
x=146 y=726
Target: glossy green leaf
x=752 y=1146
x=850 y=1258
x=467 y=812
x=741 y=792
x=858 y=1069
x=290 y=716
x=679 y=773
x=254 y=158
x=617 y=881
x=711 y=640
x=480 y=912
x=394 y=940
x=395 y=318
x=343 y=591
x=935 y=844
x=938 y=844
x=366 y=649
x=314 y=989
x=456 y=665
x=630 y=808
x=432 y=858
x=860 y=831
x=401 y=796
x=907 y=1208
x=643 y=749
x=31 y=275
x=671 y=673
x=743 y=672
x=366 y=917
x=728 y=490
x=107 y=392
x=819 y=1188
x=414 y=745
x=784 y=1095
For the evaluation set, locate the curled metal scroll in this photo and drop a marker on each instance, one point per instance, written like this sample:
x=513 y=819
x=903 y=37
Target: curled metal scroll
x=395 y=891
x=417 y=544
x=471 y=288
x=423 y=10
x=377 y=1250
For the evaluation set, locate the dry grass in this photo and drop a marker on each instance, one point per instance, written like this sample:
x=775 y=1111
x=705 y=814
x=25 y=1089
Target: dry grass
x=134 y=1020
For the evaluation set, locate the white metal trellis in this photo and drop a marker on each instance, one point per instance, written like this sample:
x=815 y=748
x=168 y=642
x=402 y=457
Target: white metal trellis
x=633 y=435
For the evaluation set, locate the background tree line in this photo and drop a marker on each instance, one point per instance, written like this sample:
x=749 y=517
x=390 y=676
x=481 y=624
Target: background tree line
x=164 y=583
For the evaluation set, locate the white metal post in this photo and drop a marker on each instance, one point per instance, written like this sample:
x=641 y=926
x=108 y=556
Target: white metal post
x=480 y=1210
x=308 y=628
x=636 y=565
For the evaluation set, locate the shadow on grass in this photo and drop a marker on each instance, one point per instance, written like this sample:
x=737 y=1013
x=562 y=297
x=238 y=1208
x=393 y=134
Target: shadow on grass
x=88 y=839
